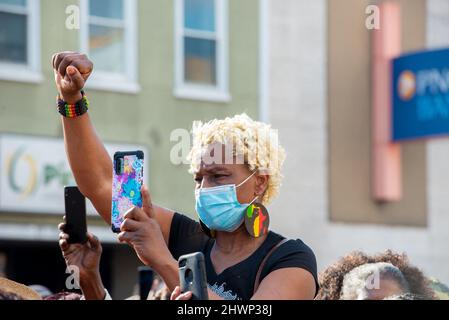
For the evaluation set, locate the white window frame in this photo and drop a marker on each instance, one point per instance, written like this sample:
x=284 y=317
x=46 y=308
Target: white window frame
x=100 y=80
x=214 y=93
x=31 y=71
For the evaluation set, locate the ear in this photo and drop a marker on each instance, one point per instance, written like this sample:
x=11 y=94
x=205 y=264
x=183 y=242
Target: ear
x=261 y=184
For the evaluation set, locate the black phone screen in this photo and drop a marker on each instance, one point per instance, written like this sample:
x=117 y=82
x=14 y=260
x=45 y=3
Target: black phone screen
x=145 y=281
x=75 y=212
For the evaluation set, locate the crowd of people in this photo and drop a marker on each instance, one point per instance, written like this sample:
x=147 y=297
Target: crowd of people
x=244 y=259
x=353 y=277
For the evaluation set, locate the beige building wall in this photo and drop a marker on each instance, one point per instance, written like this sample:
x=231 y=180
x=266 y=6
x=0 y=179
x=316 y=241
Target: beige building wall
x=299 y=106
x=349 y=116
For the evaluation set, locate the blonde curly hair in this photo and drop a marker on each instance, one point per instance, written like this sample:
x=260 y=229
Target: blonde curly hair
x=256 y=143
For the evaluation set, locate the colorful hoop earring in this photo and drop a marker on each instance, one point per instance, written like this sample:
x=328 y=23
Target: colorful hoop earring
x=257 y=220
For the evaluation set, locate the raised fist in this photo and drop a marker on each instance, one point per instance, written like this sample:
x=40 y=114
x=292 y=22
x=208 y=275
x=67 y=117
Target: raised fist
x=71 y=70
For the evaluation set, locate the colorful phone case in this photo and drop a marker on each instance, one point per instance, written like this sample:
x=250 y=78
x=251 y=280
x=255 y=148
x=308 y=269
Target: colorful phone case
x=126 y=185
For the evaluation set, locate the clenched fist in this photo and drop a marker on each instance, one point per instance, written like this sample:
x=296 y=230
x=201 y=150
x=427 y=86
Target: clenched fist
x=71 y=70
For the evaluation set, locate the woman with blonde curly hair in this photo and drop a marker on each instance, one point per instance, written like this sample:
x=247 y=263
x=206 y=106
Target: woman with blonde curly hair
x=236 y=163
x=358 y=276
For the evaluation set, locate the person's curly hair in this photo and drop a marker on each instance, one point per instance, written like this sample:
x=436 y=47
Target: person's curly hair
x=331 y=279
x=5 y=295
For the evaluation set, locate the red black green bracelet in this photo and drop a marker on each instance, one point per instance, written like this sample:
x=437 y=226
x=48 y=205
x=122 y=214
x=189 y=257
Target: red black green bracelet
x=73 y=110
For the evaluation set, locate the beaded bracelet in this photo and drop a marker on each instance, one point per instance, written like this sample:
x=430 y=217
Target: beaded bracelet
x=73 y=110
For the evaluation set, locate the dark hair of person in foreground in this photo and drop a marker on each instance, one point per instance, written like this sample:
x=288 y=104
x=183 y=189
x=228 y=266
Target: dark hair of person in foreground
x=331 y=279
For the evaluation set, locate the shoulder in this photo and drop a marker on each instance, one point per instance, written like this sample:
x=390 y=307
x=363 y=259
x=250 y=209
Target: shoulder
x=186 y=236
x=297 y=248
x=292 y=254
x=183 y=219
x=291 y=248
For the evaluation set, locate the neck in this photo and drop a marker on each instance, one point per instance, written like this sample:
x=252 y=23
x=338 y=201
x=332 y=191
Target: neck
x=238 y=241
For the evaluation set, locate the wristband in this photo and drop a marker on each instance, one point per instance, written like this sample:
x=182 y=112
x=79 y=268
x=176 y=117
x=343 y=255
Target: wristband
x=73 y=110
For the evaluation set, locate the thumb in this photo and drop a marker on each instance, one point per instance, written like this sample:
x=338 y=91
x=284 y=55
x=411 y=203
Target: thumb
x=147 y=205
x=185 y=296
x=175 y=293
x=58 y=77
x=63 y=244
x=93 y=241
x=75 y=76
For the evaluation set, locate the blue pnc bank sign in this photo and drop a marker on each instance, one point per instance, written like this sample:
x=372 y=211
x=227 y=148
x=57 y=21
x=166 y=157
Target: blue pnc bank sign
x=421 y=95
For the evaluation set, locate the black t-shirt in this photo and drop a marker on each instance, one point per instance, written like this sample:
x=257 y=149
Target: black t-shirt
x=237 y=281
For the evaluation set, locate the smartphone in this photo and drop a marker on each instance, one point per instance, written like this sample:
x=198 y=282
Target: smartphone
x=126 y=184
x=75 y=214
x=145 y=281
x=192 y=275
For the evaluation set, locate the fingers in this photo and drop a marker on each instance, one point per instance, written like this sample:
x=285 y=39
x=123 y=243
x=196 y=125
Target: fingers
x=147 y=205
x=53 y=57
x=175 y=293
x=53 y=60
x=80 y=61
x=125 y=236
x=85 y=66
x=58 y=57
x=65 y=62
x=185 y=296
x=129 y=225
x=63 y=240
x=93 y=241
x=62 y=226
x=63 y=244
x=134 y=214
x=75 y=76
x=63 y=235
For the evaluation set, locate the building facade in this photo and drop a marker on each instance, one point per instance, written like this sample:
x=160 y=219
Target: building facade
x=320 y=98
x=302 y=65
x=159 y=65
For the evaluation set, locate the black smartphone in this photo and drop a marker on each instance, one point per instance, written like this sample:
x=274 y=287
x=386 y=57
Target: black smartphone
x=145 y=281
x=192 y=275
x=75 y=214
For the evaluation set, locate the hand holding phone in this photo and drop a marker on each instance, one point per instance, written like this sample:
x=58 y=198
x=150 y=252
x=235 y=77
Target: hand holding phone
x=192 y=275
x=126 y=185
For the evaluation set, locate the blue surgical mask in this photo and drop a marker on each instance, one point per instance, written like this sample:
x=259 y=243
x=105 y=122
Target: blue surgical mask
x=218 y=207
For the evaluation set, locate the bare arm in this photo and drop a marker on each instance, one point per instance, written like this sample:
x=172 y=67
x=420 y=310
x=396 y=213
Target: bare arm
x=90 y=163
x=282 y=284
x=287 y=284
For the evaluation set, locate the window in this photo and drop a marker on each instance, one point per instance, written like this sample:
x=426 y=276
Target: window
x=109 y=37
x=19 y=40
x=201 y=50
